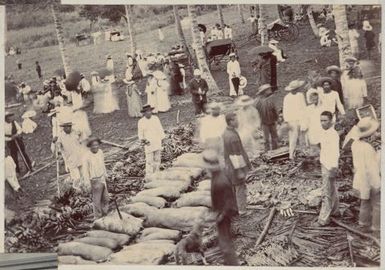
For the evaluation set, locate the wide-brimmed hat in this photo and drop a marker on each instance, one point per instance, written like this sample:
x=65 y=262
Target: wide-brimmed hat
x=210 y=160
x=333 y=68
x=146 y=107
x=197 y=72
x=366 y=26
x=263 y=88
x=273 y=41
x=366 y=127
x=93 y=139
x=215 y=104
x=322 y=80
x=28 y=114
x=109 y=56
x=351 y=59
x=242 y=82
x=94 y=73
x=244 y=100
x=8 y=114
x=66 y=124
x=129 y=82
x=320 y=25
x=293 y=85
x=232 y=55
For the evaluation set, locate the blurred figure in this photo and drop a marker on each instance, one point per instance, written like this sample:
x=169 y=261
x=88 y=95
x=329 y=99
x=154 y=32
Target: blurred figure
x=353 y=38
x=312 y=124
x=151 y=88
x=162 y=90
x=228 y=32
x=38 y=69
x=335 y=73
x=369 y=37
x=24 y=91
x=110 y=68
x=134 y=101
x=198 y=88
x=234 y=72
x=84 y=86
x=278 y=53
x=160 y=34
x=28 y=125
x=10 y=172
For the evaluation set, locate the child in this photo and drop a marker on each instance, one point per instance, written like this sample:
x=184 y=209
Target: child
x=95 y=171
x=10 y=172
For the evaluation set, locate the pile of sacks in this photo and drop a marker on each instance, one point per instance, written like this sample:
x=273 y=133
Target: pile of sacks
x=152 y=223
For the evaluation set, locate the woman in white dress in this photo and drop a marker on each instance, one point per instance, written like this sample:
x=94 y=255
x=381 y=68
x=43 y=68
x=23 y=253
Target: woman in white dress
x=151 y=88
x=162 y=90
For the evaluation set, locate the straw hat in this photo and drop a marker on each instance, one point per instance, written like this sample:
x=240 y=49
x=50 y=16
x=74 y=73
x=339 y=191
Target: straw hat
x=273 y=41
x=146 y=107
x=366 y=127
x=244 y=100
x=93 y=139
x=66 y=124
x=333 y=68
x=197 y=72
x=366 y=26
x=351 y=59
x=293 y=85
x=242 y=82
x=210 y=160
x=232 y=55
x=28 y=114
x=94 y=73
x=263 y=88
x=322 y=80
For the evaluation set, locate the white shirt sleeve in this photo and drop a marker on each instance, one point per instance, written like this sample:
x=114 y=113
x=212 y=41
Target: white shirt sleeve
x=18 y=128
x=340 y=107
x=285 y=108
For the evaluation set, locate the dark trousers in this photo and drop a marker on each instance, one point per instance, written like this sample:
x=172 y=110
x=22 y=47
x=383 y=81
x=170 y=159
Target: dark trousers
x=39 y=74
x=270 y=132
x=15 y=153
x=199 y=107
x=236 y=82
x=225 y=242
x=19 y=66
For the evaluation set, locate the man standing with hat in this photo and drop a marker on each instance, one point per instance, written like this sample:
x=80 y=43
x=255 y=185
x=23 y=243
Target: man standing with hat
x=330 y=99
x=234 y=71
x=95 y=171
x=269 y=116
x=335 y=73
x=224 y=203
x=367 y=179
x=68 y=142
x=198 y=88
x=14 y=142
x=237 y=162
x=329 y=155
x=294 y=105
x=151 y=134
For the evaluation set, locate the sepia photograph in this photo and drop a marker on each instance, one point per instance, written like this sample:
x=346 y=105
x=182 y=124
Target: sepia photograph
x=210 y=135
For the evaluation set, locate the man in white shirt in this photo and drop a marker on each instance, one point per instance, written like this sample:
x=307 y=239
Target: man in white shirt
x=151 y=134
x=234 y=72
x=94 y=171
x=212 y=127
x=329 y=155
x=14 y=141
x=294 y=105
x=228 y=32
x=72 y=151
x=330 y=99
x=84 y=85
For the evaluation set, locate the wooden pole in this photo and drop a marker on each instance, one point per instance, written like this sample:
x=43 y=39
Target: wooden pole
x=267 y=226
x=57 y=158
x=115 y=144
x=38 y=170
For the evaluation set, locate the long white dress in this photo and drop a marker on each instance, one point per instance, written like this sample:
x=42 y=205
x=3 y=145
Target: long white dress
x=162 y=95
x=249 y=122
x=104 y=99
x=110 y=67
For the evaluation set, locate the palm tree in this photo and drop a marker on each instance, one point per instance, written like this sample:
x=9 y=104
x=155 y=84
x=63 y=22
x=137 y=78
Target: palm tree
x=241 y=13
x=179 y=31
x=256 y=10
x=60 y=38
x=339 y=12
x=130 y=30
x=262 y=27
x=200 y=52
x=220 y=15
x=312 y=21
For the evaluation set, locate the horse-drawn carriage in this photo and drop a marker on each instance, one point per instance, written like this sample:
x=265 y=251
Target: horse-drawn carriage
x=218 y=51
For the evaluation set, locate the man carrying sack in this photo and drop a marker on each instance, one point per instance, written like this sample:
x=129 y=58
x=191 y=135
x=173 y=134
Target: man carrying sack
x=237 y=163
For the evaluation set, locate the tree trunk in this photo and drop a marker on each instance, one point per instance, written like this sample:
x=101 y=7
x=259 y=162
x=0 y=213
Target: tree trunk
x=130 y=31
x=339 y=12
x=200 y=52
x=262 y=27
x=256 y=11
x=220 y=15
x=312 y=21
x=179 y=31
x=241 y=13
x=60 y=39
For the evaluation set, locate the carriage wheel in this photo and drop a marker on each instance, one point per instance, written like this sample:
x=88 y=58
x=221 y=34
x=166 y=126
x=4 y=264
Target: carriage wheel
x=294 y=31
x=284 y=34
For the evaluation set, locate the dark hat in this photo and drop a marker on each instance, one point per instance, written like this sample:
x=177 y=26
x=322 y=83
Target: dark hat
x=322 y=80
x=93 y=139
x=8 y=114
x=333 y=68
x=146 y=108
x=66 y=124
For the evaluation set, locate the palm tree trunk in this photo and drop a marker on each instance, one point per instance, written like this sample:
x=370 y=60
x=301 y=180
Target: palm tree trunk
x=256 y=10
x=220 y=15
x=200 y=52
x=130 y=31
x=60 y=39
x=339 y=12
x=312 y=21
x=241 y=13
x=179 y=31
x=262 y=27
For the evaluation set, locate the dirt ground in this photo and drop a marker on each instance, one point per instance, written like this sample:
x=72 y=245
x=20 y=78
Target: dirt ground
x=304 y=55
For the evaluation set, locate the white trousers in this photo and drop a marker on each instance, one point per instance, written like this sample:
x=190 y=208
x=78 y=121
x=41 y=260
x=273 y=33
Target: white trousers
x=152 y=162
